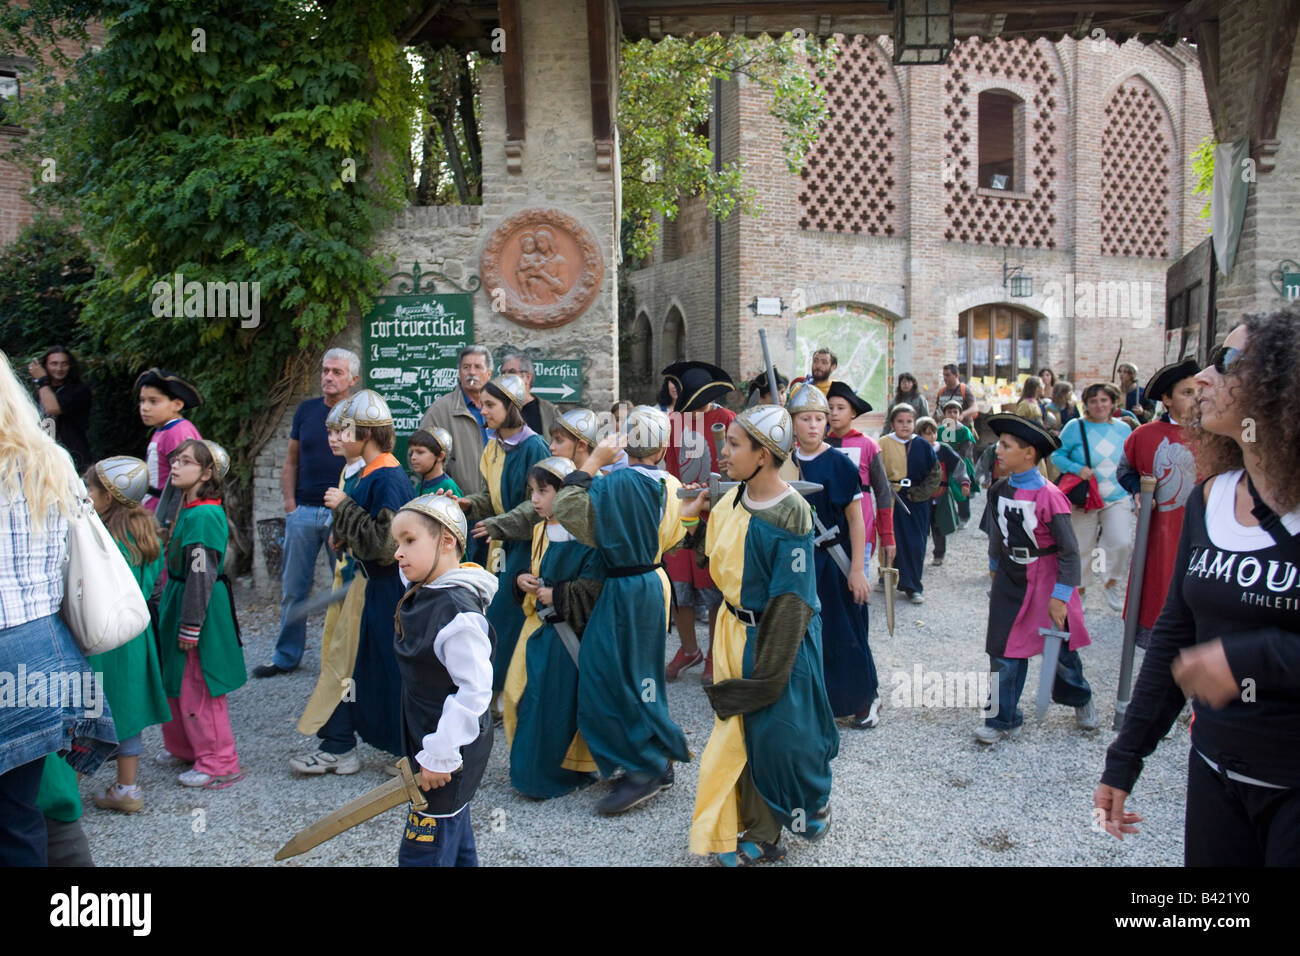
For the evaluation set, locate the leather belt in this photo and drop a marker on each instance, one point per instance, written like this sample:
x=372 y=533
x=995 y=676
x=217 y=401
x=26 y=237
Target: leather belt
x=630 y=571
x=744 y=615
x=1024 y=554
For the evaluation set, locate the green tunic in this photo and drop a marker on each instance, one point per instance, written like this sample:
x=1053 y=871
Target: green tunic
x=219 y=651
x=132 y=675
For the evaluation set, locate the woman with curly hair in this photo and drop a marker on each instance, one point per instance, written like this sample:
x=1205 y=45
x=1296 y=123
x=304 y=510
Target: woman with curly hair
x=1229 y=634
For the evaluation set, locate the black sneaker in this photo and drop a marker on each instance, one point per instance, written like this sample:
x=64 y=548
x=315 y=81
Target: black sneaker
x=630 y=792
x=271 y=670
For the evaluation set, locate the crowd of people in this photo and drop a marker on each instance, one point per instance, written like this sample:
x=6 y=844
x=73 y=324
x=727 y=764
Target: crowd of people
x=527 y=569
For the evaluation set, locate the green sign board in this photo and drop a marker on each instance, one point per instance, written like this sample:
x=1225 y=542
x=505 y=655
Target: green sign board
x=558 y=380
x=410 y=344
x=1291 y=286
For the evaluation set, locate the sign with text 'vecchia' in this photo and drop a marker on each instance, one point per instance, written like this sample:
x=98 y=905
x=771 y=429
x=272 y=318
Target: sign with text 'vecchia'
x=410 y=344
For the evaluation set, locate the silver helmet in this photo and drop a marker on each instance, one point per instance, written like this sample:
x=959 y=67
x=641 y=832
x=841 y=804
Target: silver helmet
x=442 y=437
x=220 y=458
x=648 y=431
x=340 y=415
x=125 y=478
x=367 y=409
x=806 y=397
x=770 y=426
x=560 y=467
x=513 y=387
x=582 y=424
x=444 y=510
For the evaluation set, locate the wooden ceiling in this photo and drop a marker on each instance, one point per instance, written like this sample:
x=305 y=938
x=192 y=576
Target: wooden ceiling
x=469 y=23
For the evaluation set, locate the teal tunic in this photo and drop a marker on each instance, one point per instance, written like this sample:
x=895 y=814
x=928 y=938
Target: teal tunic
x=219 y=651
x=790 y=743
x=504 y=613
x=132 y=674
x=547 y=713
x=622 y=693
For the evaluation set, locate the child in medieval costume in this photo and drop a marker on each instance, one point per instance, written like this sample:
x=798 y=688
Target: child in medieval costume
x=1157 y=448
x=631 y=517
x=362 y=525
x=943 y=512
x=953 y=431
x=914 y=473
x=444 y=646
x=510 y=453
x=864 y=452
x=767 y=762
x=164 y=397
x=132 y=675
x=691 y=457
x=342 y=631
x=548 y=756
x=427 y=452
x=850 y=671
x=201 y=654
x=1034 y=563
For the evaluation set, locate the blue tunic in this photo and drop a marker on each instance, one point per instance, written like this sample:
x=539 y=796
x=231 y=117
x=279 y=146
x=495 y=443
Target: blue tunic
x=377 y=716
x=912 y=518
x=850 y=671
x=546 y=717
x=622 y=699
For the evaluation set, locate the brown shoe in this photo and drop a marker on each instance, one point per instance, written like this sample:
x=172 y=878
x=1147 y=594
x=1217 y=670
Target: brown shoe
x=114 y=798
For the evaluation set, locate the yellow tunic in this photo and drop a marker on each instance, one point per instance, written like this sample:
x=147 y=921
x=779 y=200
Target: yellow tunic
x=716 y=821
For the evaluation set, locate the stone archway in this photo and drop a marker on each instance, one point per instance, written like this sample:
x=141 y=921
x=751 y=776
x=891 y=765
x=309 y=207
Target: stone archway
x=861 y=338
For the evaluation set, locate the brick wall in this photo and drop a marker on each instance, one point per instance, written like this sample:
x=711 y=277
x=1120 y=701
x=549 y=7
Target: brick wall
x=919 y=278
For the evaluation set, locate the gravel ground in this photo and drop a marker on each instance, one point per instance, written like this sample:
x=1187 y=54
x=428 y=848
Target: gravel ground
x=917 y=790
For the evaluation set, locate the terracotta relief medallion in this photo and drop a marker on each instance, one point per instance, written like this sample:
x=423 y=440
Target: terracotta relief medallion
x=541 y=268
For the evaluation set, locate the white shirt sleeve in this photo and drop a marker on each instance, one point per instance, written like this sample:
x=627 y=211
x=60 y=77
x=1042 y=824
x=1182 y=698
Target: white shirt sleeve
x=465 y=650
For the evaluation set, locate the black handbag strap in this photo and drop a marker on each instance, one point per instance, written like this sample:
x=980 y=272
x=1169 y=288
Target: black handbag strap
x=1268 y=519
x=1083 y=430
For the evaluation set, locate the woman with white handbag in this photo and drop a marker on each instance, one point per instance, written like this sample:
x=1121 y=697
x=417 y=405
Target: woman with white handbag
x=49 y=698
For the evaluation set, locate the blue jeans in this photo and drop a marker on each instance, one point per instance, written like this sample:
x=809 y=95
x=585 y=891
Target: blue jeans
x=22 y=827
x=1070 y=687
x=437 y=841
x=306 y=529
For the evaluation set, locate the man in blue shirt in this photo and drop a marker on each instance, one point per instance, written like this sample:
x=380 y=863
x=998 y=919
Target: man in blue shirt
x=309 y=468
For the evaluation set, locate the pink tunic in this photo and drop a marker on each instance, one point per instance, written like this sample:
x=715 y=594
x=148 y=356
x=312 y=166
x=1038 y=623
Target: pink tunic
x=1024 y=641
x=861 y=449
x=166 y=439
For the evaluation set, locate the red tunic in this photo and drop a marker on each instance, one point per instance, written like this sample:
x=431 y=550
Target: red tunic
x=688 y=462
x=1156 y=448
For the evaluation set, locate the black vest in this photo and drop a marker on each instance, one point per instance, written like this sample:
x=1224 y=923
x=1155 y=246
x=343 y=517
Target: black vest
x=426 y=685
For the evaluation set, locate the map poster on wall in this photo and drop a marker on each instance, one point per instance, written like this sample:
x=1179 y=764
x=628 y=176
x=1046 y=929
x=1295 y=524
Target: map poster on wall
x=410 y=344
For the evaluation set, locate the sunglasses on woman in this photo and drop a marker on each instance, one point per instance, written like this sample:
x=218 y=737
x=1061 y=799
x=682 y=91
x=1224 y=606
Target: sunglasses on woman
x=1223 y=358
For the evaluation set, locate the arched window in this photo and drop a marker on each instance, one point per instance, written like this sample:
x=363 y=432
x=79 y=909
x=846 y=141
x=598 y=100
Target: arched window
x=1001 y=122
x=997 y=341
x=640 y=345
x=674 y=340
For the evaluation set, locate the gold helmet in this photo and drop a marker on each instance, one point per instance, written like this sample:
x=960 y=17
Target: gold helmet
x=444 y=510
x=125 y=478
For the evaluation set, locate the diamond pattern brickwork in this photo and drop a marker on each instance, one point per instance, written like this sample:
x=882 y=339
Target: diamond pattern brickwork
x=851 y=179
x=1135 y=192
x=1031 y=221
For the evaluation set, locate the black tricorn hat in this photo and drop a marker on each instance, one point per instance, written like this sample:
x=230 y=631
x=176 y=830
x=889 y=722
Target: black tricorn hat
x=842 y=390
x=1026 y=430
x=760 y=383
x=698 y=383
x=1169 y=376
x=169 y=383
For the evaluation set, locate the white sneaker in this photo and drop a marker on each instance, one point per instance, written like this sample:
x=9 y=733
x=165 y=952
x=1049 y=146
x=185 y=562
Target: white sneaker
x=194 y=778
x=991 y=735
x=165 y=759
x=1114 y=596
x=870 y=719
x=918 y=598
x=321 y=762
